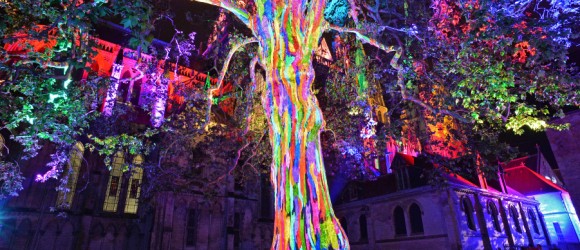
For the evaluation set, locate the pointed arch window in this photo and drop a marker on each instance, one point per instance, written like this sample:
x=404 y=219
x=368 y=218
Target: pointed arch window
x=135 y=92
x=534 y=221
x=515 y=218
x=114 y=186
x=191 y=227
x=492 y=209
x=123 y=87
x=364 y=234
x=65 y=196
x=134 y=189
x=467 y=207
x=416 y=217
x=399 y=218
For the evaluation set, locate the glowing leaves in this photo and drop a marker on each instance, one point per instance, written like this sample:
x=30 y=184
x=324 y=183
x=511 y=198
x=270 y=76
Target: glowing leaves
x=207 y=84
x=336 y=12
x=130 y=22
x=523 y=50
x=518 y=122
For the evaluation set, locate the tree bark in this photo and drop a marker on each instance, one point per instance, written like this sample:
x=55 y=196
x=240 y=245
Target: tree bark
x=288 y=32
x=304 y=218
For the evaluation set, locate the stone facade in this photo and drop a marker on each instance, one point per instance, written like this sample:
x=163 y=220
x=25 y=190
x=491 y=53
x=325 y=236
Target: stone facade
x=30 y=221
x=234 y=219
x=533 y=177
x=566 y=147
x=460 y=215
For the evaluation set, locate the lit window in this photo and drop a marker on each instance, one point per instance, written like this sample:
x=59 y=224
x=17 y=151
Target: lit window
x=399 y=218
x=468 y=210
x=74 y=165
x=534 y=221
x=134 y=186
x=492 y=209
x=515 y=217
x=114 y=186
x=416 y=219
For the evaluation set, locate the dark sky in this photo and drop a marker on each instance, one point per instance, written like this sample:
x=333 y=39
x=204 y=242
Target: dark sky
x=189 y=17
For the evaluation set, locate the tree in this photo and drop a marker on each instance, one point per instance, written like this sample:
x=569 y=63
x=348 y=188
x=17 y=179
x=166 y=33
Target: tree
x=450 y=66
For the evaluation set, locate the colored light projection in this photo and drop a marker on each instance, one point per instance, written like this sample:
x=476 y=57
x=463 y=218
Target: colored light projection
x=288 y=33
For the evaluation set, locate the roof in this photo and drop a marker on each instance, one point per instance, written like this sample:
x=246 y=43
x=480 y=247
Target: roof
x=457 y=179
x=528 y=182
x=528 y=161
x=408 y=159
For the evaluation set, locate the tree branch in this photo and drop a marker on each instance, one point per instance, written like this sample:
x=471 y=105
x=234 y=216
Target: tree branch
x=221 y=77
x=363 y=38
x=400 y=71
x=400 y=82
x=230 y=6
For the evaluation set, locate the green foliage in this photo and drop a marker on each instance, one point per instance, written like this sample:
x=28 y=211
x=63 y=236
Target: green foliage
x=41 y=102
x=489 y=67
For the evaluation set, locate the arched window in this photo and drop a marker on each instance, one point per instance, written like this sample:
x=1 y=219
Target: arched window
x=136 y=93
x=534 y=221
x=399 y=218
x=114 y=186
x=468 y=210
x=123 y=87
x=492 y=209
x=134 y=186
x=344 y=224
x=415 y=216
x=364 y=235
x=515 y=217
x=74 y=165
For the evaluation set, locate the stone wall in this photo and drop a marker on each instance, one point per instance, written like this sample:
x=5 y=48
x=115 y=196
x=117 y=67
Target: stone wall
x=566 y=148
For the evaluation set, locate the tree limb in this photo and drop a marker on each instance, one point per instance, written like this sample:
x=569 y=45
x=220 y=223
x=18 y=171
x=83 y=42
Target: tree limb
x=221 y=77
x=400 y=82
x=363 y=38
x=400 y=76
x=230 y=6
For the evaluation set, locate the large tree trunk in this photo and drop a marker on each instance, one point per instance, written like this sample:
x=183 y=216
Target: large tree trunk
x=304 y=218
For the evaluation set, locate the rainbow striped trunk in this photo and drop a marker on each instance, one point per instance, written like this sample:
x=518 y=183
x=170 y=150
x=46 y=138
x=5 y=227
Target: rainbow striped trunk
x=304 y=218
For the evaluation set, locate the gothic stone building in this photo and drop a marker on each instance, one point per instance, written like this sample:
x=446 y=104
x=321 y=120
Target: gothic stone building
x=401 y=211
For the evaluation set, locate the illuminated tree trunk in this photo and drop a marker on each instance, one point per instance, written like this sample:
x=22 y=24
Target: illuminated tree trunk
x=304 y=218
x=287 y=33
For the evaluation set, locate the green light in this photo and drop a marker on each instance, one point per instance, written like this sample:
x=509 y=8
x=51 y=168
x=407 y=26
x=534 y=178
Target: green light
x=30 y=119
x=52 y=97
x=66 y=83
